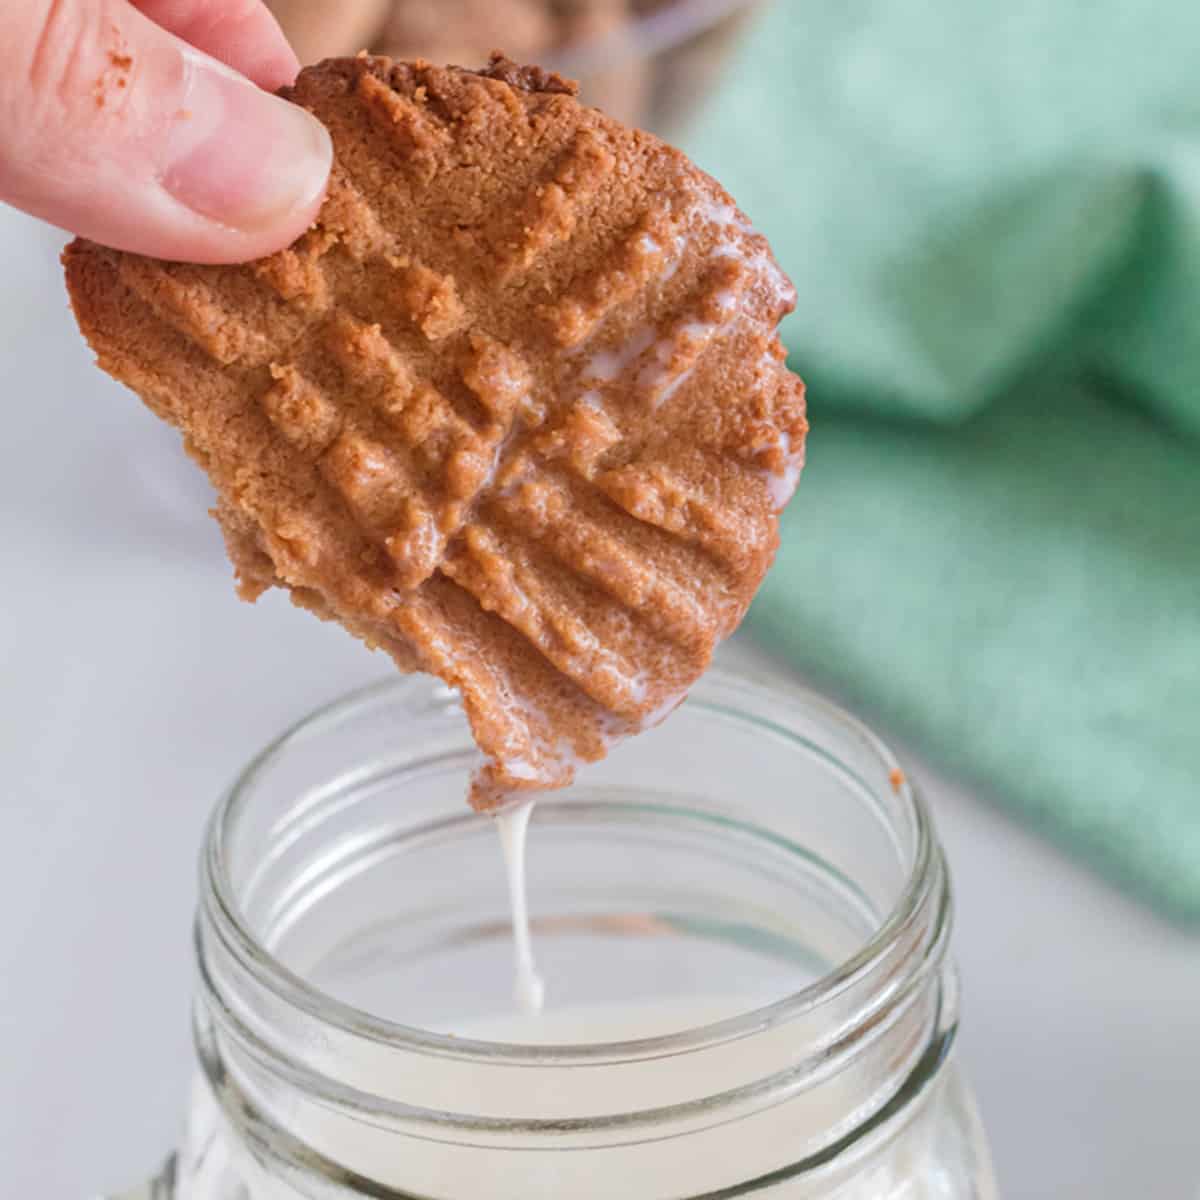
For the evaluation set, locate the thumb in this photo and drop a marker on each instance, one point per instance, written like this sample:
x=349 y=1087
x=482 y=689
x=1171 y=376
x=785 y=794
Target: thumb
x=113 y=128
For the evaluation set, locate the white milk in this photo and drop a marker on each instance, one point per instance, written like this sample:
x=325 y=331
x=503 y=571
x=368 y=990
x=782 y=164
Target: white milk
x=596 y=1024
x=529 y=990
x=922 y=1163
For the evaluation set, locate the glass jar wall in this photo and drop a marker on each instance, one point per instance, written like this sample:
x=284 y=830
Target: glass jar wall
x=742 y=918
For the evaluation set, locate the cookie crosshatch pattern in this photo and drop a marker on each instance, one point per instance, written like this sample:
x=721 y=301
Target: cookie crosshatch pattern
x=513 y=410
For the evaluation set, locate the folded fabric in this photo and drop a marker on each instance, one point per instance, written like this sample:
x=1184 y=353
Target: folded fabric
x=992 y=216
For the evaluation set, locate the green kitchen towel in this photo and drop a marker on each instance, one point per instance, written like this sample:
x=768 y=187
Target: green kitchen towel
x=992 y=215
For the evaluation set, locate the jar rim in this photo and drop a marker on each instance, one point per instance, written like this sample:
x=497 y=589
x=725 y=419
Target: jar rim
x=291 y=988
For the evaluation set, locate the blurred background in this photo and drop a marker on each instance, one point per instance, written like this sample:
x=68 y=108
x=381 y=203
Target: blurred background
x=992 y=216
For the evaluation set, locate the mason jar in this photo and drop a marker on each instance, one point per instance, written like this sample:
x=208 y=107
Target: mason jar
x=742 y=917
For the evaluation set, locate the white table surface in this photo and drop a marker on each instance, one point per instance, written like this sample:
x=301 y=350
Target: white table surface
x=133 y=685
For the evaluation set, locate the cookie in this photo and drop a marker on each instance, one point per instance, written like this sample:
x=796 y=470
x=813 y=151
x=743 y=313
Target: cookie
x=513 y=410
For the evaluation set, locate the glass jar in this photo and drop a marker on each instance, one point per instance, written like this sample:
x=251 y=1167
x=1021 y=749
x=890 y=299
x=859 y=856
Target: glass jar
x=756 y=873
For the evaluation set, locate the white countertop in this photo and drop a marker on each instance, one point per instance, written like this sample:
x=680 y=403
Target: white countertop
x=133 y=685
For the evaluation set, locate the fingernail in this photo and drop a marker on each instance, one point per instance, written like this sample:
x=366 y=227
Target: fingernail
x=239 y=155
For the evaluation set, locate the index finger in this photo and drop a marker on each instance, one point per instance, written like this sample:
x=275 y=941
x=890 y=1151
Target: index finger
x=241 y=33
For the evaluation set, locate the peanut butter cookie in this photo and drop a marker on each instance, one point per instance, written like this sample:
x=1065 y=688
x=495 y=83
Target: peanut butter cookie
x=514 y=410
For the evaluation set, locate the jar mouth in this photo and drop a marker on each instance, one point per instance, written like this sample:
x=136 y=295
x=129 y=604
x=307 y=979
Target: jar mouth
x=230 y=924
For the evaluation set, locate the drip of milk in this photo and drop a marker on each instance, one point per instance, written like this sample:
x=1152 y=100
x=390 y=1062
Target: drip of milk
x=529 y=989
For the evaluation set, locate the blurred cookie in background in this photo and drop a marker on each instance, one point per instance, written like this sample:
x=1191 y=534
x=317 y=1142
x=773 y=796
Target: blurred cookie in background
x=319 y=29
x=646 y=62
x=692 y=42
x=619 y=84
x=465 y=32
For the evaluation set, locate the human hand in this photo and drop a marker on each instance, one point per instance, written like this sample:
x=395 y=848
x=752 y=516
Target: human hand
x=127 y=121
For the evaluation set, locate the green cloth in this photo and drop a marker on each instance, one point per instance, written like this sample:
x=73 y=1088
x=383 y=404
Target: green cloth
x=992 y=215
